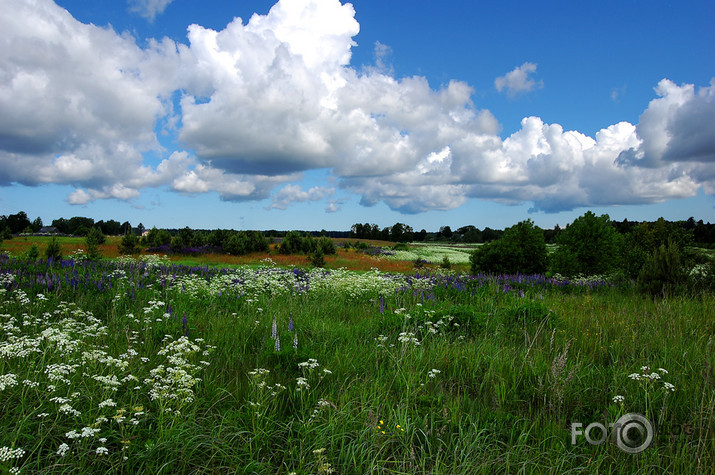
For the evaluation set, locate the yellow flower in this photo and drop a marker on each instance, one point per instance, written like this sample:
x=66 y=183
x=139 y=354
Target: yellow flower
x=381 y=422
x=383 y=431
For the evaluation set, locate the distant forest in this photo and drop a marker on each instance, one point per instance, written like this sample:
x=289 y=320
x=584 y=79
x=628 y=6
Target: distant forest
x=696 y=232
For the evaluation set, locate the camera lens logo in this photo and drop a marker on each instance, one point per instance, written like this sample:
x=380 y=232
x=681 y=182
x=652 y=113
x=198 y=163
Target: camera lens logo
x=633 y=433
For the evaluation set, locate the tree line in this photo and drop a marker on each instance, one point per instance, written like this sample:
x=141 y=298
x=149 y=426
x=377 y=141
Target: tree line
x=659 y=256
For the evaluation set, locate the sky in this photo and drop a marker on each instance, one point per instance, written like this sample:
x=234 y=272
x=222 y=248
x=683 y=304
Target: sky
x=318 y=114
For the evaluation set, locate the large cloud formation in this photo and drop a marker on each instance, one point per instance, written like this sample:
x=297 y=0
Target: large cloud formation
x=262 y=101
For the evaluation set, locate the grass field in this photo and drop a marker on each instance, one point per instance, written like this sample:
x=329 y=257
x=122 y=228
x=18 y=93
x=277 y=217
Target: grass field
x=148 y=366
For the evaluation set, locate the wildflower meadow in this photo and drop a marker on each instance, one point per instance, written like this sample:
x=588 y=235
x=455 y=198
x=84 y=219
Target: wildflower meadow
x=141 y=365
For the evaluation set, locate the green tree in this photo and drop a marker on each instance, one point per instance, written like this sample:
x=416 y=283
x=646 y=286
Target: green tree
x=592 y=243
x=521 y=249
x=326 y=245
x=292 y=243
x=318 y=258
x=129 y=244
x=92 y=241
x=238 y=244
x=33 y=253
x=663 y=273
x=53 y=250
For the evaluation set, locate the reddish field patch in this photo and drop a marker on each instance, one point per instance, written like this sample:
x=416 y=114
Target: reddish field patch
x=350 y=259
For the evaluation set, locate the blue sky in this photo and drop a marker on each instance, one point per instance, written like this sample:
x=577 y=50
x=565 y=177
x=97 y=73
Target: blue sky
x=316 y=114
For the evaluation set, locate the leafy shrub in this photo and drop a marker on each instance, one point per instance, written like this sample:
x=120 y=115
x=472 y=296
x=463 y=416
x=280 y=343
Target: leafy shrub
x=33 y=253
x=238 y=244
x=177 y=244
x=129 y=244
x=53 y=250
x=92 y=241
x=445 y=263
x=326 y=245
x=663 y=272
x=318 y=258
x=292 y=243
x=593 y=242
x=521 y=249
x=401 y=246
x=157 y=237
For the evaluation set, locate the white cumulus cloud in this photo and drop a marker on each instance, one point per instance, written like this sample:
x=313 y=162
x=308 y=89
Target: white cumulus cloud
x=264 y=100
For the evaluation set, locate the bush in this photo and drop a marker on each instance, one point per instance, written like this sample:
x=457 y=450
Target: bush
x=157 y=237
x=521 y=249
x=33 y=253
x=326 y=245
x=177 y=244
x=238 y=244
x=445 y=263
x=663 y=273
x=92 y=241
x=594 y=244
x=53 y=250
x=129 y=244
x=292 y=243
x=318 y=258
x=401 y=246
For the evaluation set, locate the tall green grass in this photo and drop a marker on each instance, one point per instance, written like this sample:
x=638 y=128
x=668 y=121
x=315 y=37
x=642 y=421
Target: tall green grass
x=442 y=381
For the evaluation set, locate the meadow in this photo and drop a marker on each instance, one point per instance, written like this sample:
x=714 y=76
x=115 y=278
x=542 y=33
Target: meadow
x=151 y=365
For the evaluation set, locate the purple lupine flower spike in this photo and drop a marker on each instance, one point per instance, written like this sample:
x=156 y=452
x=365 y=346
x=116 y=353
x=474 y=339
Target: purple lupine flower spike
x=184 y=326
x=295 y=340
x=382 y=304
x=274 y=329
x=290 y=323
x=278 y=343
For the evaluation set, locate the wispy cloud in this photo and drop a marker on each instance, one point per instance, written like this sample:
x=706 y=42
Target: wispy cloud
x=519 y=80
x=149 y=9
x=295 y=194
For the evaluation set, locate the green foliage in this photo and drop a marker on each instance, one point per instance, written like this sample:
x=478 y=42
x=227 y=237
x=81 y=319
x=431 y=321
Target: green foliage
x=258 y=241
x=592 y=242
x=292 y=243
x=129 y=244
x=95 y=236
x=6 y=234
x=238 y=244
x=527 y=314
x=33 y=253
x=401 y=246
x=521 y=249
x=93 y=240
x=318 y=258
x=157 y=237
x=53 y=250
x=663 y=273
x=445 y=263
x=326 y=245
x=177 y=244
x=459 y=381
